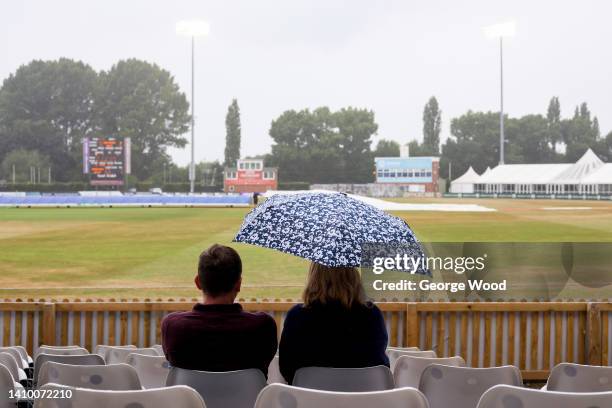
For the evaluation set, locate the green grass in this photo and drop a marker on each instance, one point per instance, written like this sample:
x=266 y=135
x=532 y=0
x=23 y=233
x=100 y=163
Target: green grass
x=152 y=252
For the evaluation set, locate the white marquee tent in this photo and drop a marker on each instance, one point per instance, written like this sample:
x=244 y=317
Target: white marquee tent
x=465 y=183
x=589 y=175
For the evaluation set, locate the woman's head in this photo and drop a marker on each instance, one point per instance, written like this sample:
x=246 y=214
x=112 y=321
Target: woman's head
x=326 y=284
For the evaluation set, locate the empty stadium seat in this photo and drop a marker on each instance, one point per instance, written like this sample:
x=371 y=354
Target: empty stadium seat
x=568 y=377
x=16 y=355
x=274 y=374
x=365 y=379
x=236 y=389
x=19 y=376
x=86 y=359
x=102 y=349
x=159 y=349
x=394 y=354
x=504 y=396
x=407 y=371
x=152 y=370
x=117 y=355
x=6 y=385
x=175 y=397
x=462 y=387
x=403 y=348
x=61 y=351
x=285 y=396
x=117 y=377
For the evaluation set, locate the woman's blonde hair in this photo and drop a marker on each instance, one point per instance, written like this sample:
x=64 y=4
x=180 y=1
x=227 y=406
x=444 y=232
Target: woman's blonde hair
x=326 y=284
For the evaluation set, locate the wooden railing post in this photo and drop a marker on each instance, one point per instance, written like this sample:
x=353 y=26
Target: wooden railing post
x=593 y=334
x=48 y=324
x=412 y=325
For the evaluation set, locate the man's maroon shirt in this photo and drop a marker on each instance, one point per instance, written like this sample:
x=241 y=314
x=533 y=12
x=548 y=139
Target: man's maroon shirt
x=219 y=338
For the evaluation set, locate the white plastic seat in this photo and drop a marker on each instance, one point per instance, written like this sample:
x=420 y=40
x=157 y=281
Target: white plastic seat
x=24 y=354
x=403 y=348
x=159 y=349
x=568 y=377
x=407 y=371
x=117 y=355
x=6 y=385
x=236 y=389
x=38 y=350
x=462 y=387
x=61 y=351
x=175 y=397
x=274 y=374
x=505 y=396
x=7 y=360
x=86 y=359
x=117 y=377
x=364 y=379
x=286 y=396
x=16 y=355
x=394 y=354
x=152 y=370
x=102 y=349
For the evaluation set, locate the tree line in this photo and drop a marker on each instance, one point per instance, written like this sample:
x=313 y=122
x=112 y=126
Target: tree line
x=48 y=107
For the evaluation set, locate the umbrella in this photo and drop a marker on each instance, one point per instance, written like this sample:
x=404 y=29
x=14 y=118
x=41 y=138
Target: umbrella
x=328 y=228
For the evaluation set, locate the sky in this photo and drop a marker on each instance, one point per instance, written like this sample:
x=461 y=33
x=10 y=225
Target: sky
x=388 y=56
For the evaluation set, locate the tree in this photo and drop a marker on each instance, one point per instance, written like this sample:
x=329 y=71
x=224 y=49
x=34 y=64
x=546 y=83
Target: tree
x=432 y=121
x=387 y=148
x=323 y=146
x=142 y=101
x=553 y=116
x=48 y=106
x=232 y=135
x=22 y=161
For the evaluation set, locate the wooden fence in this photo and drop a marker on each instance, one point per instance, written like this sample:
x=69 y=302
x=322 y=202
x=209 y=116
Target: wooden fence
x=532 y=336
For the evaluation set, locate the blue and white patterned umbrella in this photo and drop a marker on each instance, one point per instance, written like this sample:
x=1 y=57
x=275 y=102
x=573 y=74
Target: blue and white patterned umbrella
x=328 y=228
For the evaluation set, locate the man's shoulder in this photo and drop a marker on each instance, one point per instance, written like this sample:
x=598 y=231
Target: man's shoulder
x=259 y=317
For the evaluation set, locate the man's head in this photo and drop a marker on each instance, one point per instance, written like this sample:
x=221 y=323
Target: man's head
x=219 y=273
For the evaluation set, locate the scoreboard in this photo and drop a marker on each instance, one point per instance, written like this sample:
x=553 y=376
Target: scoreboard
x=106 y=160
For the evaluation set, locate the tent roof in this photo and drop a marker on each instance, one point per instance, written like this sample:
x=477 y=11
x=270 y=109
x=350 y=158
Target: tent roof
x=603 y=175
x=523 y=173
x=587 y=164
x=469 y=177
x=487 y=171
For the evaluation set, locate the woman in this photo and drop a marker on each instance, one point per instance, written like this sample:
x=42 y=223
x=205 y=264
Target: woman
x=335 y=327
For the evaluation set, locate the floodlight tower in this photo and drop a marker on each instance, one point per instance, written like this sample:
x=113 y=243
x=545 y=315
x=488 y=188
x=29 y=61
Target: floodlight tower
x=507 y=29
x=193 y=29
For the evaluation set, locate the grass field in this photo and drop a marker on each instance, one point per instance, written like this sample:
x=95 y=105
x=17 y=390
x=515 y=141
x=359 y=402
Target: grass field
x=126 y=253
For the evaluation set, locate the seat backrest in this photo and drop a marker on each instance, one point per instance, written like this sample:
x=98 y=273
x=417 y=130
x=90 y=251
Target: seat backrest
x=505 y=396
x=274 y=374
x=394 y=354
x=364 y=379
x=285 y=396
x=403 y=348
x=570 y=377
x=86 y=359
x=118 y=377
x=175 y=397
x=236 y=389
x=61 y=351
x=6 y=385
x=102 y=349
x=159 y=349
x=16 y=355
x=119 y=355
x=38 y=350
x=9 y=362
x=462 y=387
x=152 y=370
x=407 y=370
x=22 y=350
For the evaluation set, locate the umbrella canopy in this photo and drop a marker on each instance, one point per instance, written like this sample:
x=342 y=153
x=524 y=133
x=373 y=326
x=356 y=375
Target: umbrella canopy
x=328 y=228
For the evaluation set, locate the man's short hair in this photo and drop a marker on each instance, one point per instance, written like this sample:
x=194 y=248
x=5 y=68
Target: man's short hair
x=219 y=269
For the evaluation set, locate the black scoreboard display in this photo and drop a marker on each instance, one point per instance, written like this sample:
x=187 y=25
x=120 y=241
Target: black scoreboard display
x=106 y=160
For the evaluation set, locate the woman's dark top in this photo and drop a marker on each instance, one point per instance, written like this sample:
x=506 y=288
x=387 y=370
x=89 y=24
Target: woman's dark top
x=330 y=335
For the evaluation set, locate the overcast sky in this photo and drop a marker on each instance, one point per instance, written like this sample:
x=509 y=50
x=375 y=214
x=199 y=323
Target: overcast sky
x=389 y=56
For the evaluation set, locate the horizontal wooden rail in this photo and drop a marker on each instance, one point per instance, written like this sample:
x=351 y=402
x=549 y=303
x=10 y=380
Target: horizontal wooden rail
x=534 y=336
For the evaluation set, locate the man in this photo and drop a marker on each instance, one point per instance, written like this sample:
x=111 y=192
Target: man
x=217 y=335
